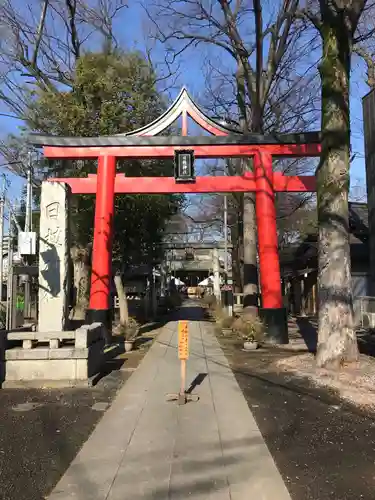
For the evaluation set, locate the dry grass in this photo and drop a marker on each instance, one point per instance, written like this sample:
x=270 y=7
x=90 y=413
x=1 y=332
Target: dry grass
x=249 y=326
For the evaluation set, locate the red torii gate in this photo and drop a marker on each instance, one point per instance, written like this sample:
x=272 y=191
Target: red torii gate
x=144 y=143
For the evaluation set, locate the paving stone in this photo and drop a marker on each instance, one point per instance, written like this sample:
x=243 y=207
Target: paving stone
x=152 y=449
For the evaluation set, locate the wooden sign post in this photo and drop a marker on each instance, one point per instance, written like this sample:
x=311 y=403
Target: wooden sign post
x=183 y=355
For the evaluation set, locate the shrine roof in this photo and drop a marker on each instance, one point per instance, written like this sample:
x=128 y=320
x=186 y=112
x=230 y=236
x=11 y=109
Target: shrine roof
x=134 y=141
x=185 y=107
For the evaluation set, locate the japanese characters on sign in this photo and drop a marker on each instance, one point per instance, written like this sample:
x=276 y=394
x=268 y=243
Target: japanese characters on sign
x=183 y=340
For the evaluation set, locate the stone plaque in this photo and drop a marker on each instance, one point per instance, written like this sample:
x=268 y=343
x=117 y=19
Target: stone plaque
x=54 y=257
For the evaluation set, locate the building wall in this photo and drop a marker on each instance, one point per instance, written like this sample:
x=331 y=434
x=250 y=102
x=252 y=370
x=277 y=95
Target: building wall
x=360 y=288
x=304 y=297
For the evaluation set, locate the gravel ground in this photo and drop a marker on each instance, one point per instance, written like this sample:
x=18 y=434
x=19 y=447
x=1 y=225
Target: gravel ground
x=323 y=446
x=355 y=382
x=41 y=431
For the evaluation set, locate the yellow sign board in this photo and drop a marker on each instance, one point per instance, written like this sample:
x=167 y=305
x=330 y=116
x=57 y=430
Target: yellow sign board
x=183 y=340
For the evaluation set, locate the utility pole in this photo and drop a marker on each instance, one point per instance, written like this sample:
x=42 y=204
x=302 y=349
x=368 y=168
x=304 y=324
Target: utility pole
x=226 y=237
x=28 y=228
x=10 y=293
x=29 y=195
x=2 y=203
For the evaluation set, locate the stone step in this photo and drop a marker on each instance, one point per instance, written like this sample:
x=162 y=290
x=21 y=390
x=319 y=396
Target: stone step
x=46 y=353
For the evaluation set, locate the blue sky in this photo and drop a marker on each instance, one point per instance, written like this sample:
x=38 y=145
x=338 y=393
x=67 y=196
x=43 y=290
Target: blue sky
x=192 y=76
x=131 y=29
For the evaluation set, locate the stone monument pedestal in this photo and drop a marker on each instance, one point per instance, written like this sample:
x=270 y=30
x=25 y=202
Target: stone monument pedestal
x=59 y=359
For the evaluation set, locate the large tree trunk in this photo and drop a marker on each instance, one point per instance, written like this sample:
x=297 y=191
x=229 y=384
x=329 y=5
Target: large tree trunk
x=81 y=282
x=236 y=234
x=237 y=256
x=249 y=234
x=336 y=336
x=250 y=273
x=123 y=302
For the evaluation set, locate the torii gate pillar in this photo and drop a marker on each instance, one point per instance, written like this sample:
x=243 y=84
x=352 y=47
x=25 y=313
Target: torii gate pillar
x=272 y=311
x=101 y=273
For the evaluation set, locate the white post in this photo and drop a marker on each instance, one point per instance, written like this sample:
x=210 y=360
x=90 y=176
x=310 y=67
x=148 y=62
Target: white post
x=216 y=269
x=303 y=290
x=154 y=302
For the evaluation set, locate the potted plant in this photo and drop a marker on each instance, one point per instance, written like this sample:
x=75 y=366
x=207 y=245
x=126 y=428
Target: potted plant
x=250 y=344
x=250 y=329
x=130 y=332
x=253 y=331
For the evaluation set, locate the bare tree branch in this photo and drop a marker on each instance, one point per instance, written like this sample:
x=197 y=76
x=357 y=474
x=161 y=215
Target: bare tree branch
x=42 y=42
x=369 y=60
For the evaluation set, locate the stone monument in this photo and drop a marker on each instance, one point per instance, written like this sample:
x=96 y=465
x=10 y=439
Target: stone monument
x=53 y=356
x=54 y=257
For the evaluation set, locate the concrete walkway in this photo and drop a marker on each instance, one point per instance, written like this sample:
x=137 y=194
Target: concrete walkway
x=147 y=448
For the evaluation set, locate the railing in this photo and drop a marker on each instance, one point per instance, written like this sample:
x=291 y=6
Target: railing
x=364 y=311
x=136 y=298
x=237 y=301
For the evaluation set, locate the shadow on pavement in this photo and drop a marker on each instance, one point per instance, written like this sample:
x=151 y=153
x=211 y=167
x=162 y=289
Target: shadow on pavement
x=156 y=325
x=189 y=311
x=111 y=365
x=183 y=478
x=196 y=382
x=140 y=341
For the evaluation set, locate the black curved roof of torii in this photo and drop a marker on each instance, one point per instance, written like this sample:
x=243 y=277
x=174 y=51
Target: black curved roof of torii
x=147 y=135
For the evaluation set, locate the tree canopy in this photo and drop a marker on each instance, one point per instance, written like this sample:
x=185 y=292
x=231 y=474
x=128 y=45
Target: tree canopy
x=112 y=93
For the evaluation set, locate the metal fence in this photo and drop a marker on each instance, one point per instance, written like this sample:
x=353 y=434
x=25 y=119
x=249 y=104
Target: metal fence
x=364 y=309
